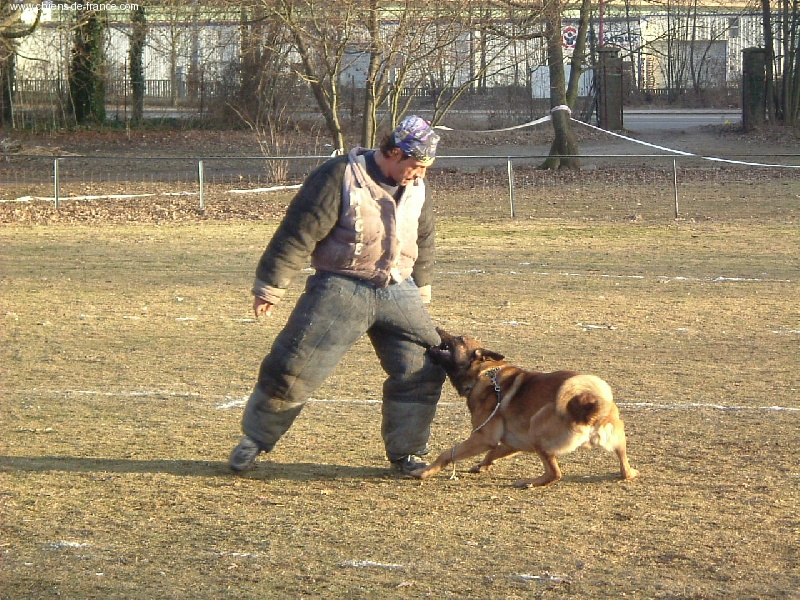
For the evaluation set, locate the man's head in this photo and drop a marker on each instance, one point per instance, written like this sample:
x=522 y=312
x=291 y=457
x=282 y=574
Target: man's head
x=409 y=150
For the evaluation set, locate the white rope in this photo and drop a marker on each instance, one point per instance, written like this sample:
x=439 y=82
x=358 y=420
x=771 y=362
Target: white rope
x=624 y=137
x=528 y=124
x=682 y=153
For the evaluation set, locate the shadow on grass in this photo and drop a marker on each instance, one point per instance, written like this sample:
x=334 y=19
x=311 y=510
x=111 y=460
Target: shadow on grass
x=266 y=470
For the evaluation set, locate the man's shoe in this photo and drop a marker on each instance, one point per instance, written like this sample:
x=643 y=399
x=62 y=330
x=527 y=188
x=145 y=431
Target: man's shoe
x=244 y=455
x=408 y=464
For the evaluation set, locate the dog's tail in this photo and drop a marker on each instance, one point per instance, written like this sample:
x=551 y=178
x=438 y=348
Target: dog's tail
x=584 y=399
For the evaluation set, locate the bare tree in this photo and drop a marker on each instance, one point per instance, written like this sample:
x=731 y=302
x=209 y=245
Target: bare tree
x=138 y=38
x=769 y=46
x=692 y=47
x=545 y=20
x=11 y=29
x=320 y=31
x=404 y=45
x=427 y=47
x=476 y=44
x=267 y=92
x=788 y=91
x=565 y=145
x=87 y=67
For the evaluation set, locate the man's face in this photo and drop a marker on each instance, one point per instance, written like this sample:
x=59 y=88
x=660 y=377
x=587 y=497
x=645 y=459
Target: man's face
x=404 y=169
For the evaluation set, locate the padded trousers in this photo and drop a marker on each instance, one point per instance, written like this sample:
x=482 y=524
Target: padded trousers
x=330 y=316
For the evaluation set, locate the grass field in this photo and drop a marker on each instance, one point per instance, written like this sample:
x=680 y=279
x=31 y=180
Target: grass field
x=128 y=350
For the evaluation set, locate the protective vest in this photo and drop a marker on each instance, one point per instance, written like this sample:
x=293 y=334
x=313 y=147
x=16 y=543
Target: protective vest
x=375 y=238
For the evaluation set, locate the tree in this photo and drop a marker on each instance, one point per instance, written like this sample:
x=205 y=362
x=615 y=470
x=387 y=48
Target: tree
x=136 y=61
x=397 y=45
x=267 y=90
x=11 y=29
x=692 y=46
x=472 y=44
x=87 y=68
x=788 y=92
x=544 y=19
x=769 y=46
x=320 y=32
x=781 y=29
x=565 y=145
x=430 y=47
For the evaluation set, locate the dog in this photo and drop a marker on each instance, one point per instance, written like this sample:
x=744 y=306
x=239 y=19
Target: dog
x=514 y=410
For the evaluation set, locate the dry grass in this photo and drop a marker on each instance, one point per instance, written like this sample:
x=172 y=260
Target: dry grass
x=128 y=349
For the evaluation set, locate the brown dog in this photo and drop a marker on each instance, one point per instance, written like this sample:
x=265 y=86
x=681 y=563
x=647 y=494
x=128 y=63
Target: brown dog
x=522 y=411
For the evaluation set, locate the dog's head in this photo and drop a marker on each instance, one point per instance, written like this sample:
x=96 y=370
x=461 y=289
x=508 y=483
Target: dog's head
x=463 y=359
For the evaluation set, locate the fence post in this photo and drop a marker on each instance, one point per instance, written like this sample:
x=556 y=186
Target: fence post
x=56 y=183
x=675 y=183
x=511 y=187
x=201 y=175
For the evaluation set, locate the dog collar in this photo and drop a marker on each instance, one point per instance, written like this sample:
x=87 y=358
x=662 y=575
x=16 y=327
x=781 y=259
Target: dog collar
x=492 y=374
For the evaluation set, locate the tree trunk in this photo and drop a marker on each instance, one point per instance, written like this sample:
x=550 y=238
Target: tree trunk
x=370 y=117
x=565 y=145
x=7 y=60
x=327 y=100
x=793 y=74
x=578 y=54
x=86 y=85
x=136 y=62
x=766 y=22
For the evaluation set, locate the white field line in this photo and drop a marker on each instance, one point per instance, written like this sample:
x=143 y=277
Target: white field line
x=363 y=564
x=230 y=403
x=659 y=278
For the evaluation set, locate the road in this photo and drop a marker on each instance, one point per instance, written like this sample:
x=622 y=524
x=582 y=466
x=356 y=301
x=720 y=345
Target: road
x=634 y=120
x=643 y=121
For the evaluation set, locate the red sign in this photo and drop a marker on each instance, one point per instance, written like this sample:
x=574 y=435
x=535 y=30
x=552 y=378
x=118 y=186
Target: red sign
x=569 y=36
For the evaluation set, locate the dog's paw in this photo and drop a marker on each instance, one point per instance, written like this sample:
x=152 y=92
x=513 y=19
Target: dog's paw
x=420 y=474
x=631 y=474
x=480 y=468
x=542 y=481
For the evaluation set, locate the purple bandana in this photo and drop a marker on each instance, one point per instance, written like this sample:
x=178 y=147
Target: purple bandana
x=417 y=139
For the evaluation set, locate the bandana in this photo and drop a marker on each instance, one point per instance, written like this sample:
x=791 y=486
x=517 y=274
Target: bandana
x=417 y=139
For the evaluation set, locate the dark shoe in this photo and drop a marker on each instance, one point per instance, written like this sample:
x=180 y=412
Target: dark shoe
x=408 y=464
x=244 y=455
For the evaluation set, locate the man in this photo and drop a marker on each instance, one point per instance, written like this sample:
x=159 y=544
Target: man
x=365 y=222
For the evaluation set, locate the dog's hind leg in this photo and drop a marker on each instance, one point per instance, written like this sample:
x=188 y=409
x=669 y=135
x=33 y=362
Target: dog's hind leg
x=625 y=469
x=552 y=472
x=611 y=437
x=493 y=455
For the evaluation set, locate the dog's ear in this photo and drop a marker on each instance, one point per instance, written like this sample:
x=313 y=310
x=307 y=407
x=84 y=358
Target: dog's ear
x=483 y=354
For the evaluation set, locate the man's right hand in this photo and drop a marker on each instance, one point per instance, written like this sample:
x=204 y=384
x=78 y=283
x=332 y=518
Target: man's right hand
x=262 y=307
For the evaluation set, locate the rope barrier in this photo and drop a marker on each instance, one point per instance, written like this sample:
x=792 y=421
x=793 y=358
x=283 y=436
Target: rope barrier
x=624 y=137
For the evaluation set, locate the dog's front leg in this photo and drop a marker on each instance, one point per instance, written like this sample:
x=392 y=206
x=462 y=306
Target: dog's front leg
x=472 y=446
